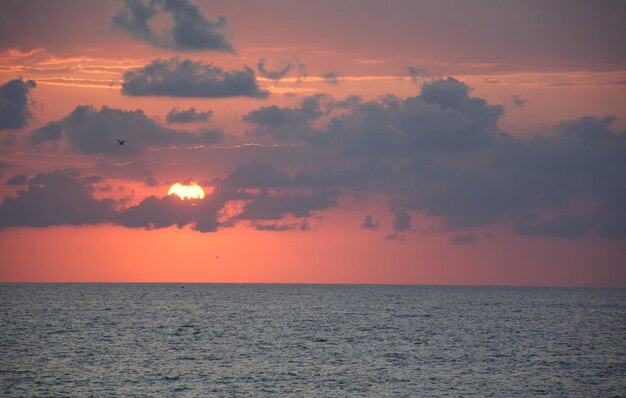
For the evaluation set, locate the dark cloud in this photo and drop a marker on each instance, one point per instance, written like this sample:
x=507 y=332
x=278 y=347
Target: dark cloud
x=570 y=227
x=442 y=118
x=206 y=215
x=68 y=197
x=89 y=130
x=395 y=236
x=369 y=223
x=463 y=240
x=518 y=101
x=191 y=30
x=8 y=140
x=192 y=79
x=188 y=116
x=281 y=227
x=14 y=102
x=331 y=77
x=269 y=206
x=151 y=182
x=19 y=179
x=51 y=132
x=287 y=123
x=63 y=197
x=283 y=68
x=3 y=165
x=415 y=72
x=442 y=153
x=401 y=218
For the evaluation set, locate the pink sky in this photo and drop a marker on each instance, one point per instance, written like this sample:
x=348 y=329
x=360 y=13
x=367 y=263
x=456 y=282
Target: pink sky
x=486 y=141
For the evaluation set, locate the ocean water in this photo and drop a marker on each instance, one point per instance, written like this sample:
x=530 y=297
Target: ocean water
x=214 y=340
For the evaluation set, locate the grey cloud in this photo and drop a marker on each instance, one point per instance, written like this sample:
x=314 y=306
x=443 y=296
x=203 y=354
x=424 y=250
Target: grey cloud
x=63 y=197
x=14 y=103
x=331 y=77
x=281 y=227
x=283 y=68
x=518 y=101
x=187 y=116
x=51 y=132
x=439 y=153
x=369 y=223
x=463 y=240
x=89 y=130
x=66 y=197
x=192 y=79
x=401 y=220
x=570 y=227
x=8 y=140
x=395 y=236
x=203 y=215
x=267 y=206
x=19 y=179
x=287 y=123
x=151 y=182
x=442 y=118
x=442 y=152
x=415 y=72
x=273 y=227
x=191 y=30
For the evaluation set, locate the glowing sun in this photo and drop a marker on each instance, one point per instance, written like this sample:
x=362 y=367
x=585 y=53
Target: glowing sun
x=193 y=191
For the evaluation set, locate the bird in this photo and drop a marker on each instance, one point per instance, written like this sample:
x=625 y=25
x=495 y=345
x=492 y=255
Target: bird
x=121 y=142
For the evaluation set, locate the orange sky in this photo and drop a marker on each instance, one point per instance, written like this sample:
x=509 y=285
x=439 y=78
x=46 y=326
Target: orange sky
x=540 y=73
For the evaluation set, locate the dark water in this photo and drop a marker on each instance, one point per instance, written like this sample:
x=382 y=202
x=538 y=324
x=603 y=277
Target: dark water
x=310 y=340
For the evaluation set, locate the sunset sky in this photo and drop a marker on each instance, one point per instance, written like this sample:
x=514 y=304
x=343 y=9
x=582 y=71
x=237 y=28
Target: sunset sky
x=353 y=141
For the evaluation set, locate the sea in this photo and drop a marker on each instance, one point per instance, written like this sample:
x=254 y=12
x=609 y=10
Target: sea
x=274 y=340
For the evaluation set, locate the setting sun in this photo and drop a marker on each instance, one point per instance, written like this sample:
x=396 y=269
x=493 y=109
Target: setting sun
x=193 y=191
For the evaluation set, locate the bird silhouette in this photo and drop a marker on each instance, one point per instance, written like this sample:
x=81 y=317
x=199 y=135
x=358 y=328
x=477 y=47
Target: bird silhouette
x=121 y=142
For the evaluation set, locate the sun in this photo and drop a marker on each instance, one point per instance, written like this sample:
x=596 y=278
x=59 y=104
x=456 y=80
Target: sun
x=192 y=191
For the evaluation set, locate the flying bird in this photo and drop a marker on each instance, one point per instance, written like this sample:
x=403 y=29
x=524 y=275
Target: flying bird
x=121 y=142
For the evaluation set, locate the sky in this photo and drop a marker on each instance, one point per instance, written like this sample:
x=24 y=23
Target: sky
x=396 y=142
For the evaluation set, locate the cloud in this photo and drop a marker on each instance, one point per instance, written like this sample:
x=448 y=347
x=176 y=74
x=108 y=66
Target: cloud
x=187 y=116
x=191 y=79
x=518 y=101
x=415 y=72
x=395 y=236
x=283 y=68
x=438 y=154
x=331 y=77
x=67 y=197
x=190 y=30
x=369 y=223
x=63 y=197
x=442 y=118
x=19 y=179
x=463 y=240
x=89 y=130
x=209 y=215
x=442 y=153
x=286 y=123
x=281 y=227
x=570 y=227
x=14 y=101
x=51 y=132
x=401 y=220
x=268 y=206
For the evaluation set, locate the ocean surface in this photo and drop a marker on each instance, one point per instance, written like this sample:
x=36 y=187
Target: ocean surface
x=220 y=340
